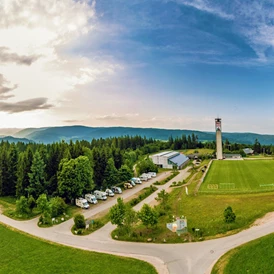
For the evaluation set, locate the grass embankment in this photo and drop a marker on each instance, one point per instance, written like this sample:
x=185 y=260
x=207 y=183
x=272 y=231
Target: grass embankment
x=8 y=208
x=202 y=151
x=253 y=257
x=24 y=254
x=239 y=177
x=99 y=220
x=171 y=176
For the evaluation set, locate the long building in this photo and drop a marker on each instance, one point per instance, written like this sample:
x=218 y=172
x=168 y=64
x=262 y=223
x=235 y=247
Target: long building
x=169 y=159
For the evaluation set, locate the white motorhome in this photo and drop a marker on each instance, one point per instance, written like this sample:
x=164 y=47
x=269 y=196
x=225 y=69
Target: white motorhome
x=153 y=174
x=144 y=177
x=100 y=195
x=109 y=192
x=116 y=189
x=91 y=198
x=136 y=180
x=81 y=202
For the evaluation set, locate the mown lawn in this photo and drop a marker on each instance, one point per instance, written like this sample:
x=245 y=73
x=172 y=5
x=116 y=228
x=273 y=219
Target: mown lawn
x=20 y=253
x=253 y=258
x=239 y=177
x=198 y=150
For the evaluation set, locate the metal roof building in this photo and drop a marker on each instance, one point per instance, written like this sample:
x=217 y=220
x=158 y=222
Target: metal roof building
x=169 y=159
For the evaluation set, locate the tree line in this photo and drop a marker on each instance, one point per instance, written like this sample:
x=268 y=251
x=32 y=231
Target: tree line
x=67 y=169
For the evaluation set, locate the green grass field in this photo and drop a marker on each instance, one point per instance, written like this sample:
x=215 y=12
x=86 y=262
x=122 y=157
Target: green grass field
x=253 y=258
x=20 y=253
x=239 y=177
x=198 y=150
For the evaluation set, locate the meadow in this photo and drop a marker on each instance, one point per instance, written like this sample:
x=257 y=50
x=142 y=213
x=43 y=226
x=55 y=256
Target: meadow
x=253 y=257
x=206 y=213
x=247 y=176
x=24 y=254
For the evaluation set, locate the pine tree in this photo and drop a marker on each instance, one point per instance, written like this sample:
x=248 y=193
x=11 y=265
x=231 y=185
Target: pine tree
x=111 y=174
x=24 y=168
x=37 y=176
x=12 y=170
x=4 y=168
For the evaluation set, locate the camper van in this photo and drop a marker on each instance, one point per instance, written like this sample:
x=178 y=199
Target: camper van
x=144 y=177
x=153 y=174
x=136 y=180
x=116 y=189
x=100 y=195
x=91 y=198
x=109 y=192
x=81 y=202
x=127 y=185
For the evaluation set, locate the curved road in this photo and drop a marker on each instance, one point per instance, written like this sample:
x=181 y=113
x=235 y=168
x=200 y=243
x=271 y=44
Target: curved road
x=187 y=258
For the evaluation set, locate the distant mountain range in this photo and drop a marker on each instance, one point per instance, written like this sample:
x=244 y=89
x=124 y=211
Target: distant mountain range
x=55 y=134
x=11 y=139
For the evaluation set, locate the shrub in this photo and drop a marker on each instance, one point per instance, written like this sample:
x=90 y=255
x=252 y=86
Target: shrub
x=79 y=221
x=31 y=203
x=58 y=206
x=229 y=215
x=22 y=206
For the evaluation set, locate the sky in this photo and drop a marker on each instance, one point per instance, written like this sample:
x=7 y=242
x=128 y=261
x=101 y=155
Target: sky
x=175 y=64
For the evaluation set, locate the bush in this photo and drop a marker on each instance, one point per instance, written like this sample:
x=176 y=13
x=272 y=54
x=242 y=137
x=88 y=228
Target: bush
x=79 y=221
x=58 y=206
x=22 y=206
x=31 y=203
x=229 y=215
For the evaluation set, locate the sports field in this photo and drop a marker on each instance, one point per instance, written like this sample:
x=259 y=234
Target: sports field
x=239 y=177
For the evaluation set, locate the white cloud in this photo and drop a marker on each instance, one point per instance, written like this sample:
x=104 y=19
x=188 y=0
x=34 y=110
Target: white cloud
x=206 y=6
x=114 y=116
x=39 y=34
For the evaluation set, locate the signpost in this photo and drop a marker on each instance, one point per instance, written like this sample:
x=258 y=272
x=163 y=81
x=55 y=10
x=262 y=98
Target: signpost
x=179 y=226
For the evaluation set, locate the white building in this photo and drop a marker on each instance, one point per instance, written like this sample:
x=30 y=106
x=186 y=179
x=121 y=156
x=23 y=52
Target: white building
x=168 y=159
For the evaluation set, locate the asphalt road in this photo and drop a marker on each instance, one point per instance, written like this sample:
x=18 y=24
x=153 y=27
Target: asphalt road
x=187 y=258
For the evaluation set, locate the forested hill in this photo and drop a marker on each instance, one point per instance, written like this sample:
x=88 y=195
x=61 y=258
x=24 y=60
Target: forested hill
x=67 y=133
x=11 y=139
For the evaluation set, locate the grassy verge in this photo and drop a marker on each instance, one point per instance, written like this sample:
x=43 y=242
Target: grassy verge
x=253 y=257
x=70 y=211
x=199 y=150
x=30 y=255
x=8 y=206
x=171 y=176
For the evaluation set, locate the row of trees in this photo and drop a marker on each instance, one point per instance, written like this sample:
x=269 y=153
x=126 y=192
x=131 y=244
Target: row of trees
x=32 y=169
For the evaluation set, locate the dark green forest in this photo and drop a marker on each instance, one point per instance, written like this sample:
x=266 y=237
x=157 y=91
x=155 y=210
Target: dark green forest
x=70 y=169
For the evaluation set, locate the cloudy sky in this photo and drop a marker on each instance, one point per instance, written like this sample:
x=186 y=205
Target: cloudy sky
x=139 y=63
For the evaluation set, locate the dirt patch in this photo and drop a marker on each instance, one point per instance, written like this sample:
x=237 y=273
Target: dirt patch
x=267 y=217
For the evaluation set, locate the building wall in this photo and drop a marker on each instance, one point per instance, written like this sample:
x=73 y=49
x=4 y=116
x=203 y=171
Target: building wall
x=162 y=159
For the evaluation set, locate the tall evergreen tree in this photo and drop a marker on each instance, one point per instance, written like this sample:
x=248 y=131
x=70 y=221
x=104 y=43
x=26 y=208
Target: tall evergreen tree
x=12 y=170
x=36 y=176
x=111 y=174
x=23 y=170
x=4 y=168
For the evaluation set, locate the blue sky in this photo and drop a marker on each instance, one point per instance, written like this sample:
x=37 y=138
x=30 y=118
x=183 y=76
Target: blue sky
x=151 y=63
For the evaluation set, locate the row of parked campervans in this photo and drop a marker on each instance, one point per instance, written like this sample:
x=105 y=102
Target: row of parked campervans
x=102 y=195
x=147 y=176
x=97 y=195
